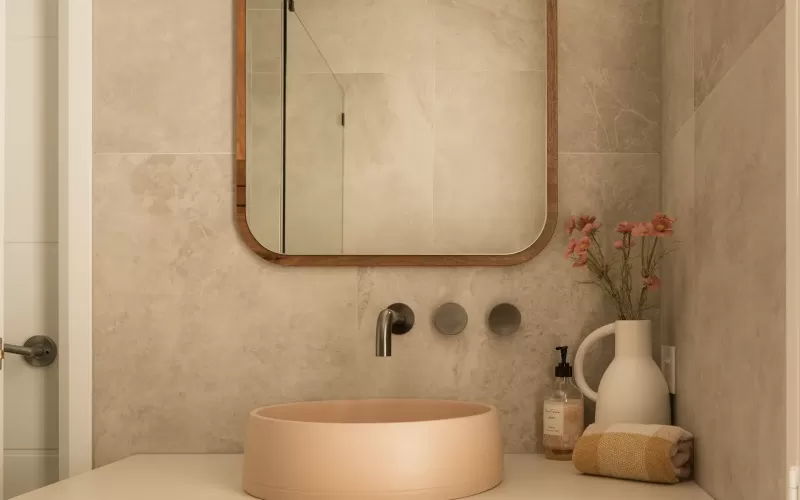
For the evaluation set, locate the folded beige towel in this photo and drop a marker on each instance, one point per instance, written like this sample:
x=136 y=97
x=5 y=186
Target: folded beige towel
x=652 y=453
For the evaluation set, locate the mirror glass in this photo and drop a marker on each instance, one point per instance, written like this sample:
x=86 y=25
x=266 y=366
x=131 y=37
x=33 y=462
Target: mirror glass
x=396 y=127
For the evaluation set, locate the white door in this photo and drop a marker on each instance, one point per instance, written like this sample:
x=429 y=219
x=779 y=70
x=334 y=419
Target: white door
x=29 y=283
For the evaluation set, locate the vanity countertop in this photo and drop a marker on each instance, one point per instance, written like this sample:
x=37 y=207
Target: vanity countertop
x=218 y=477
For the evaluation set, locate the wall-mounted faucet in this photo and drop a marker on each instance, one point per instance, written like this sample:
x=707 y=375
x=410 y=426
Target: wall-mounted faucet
x=397 y=319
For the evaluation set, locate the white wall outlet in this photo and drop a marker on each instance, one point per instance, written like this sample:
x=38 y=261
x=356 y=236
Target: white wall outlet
x=668 y=366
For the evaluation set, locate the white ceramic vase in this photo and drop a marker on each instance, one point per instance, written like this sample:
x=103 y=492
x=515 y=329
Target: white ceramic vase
x=633 y=389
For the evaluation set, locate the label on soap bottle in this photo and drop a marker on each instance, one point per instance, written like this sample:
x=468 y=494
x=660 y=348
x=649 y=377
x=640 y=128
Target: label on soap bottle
x=553 y=418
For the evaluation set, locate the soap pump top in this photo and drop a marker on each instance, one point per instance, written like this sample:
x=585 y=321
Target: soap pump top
x=564 y=369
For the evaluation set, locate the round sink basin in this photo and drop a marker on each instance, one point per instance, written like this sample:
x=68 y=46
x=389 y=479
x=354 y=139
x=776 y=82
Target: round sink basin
x=373 y=450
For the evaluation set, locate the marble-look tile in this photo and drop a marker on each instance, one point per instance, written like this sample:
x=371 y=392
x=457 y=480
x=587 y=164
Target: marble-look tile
x=677 y=53
x=191 y=322
x=265 y=159
x=371 y=36
x=162 y=76
x=609 y=110
x=513 y=372
x=388 y=194
x=739 y=237
x=612 y=34
x=265 y=41
x=678 y=295
x=723 y=31
x=150 y=213
x=613 y=187
x=490 y=178
x=314 y=164
x=487 y=35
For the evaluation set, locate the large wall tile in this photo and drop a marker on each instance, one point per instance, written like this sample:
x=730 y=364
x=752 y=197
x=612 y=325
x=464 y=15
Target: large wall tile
x=491 y=159
x=723 y=31
x=613 y=187
x=628 y=30
x=677 y=49
x=739 y=237
x=192 y=322
x=162 y=75
x=389 y=156
x=609 y=110
x=371 y=36
x=485 y=35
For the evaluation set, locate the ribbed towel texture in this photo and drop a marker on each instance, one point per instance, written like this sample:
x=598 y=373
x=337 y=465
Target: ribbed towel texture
x=651 y=453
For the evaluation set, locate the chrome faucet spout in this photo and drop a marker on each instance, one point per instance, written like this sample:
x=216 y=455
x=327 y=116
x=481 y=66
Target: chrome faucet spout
x=383 y=335
x=397 y=319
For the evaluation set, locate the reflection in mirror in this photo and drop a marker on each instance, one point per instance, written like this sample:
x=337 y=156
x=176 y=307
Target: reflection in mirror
x=396 y=127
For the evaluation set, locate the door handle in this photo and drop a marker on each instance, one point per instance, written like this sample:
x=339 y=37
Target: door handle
x=38 y=351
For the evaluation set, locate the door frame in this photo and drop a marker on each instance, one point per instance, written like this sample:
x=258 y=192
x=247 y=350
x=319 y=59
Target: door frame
x=792 y=232
x=75 y=236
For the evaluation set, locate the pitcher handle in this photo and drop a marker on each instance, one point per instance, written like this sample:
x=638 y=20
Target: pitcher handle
x=603 y=331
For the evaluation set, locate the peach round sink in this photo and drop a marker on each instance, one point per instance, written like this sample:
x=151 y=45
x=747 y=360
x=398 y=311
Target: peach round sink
x=373 y=450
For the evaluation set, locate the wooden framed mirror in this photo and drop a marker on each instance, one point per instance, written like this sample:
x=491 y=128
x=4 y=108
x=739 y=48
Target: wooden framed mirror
x=396 y=132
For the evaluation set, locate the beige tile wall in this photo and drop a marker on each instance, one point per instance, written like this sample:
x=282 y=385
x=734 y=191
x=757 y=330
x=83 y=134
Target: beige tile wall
x=192 y=330
x=723 y=177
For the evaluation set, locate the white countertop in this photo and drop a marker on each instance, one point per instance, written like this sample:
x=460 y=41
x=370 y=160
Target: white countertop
x=218 y=477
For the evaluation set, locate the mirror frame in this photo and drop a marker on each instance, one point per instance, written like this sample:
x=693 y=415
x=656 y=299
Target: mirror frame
x=525 y=255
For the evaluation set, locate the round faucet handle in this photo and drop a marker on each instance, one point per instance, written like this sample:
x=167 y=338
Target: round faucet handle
x=403 y=320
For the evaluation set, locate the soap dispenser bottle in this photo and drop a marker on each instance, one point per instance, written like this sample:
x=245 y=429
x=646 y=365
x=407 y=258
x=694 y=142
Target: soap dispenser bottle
x=563 y=413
